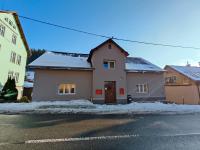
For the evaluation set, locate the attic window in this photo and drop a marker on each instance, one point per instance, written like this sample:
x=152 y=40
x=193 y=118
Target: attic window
x=109 y=46
x=171 y=79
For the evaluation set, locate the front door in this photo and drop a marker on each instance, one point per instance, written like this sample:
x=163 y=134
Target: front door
x=110 y=91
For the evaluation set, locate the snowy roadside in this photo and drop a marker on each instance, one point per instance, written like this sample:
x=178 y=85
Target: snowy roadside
x=86 y=107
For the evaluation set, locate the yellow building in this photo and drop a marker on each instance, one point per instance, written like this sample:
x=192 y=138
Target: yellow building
x=182 y=84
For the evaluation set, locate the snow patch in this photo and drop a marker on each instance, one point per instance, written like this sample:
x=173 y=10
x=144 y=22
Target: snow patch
x=86 y=107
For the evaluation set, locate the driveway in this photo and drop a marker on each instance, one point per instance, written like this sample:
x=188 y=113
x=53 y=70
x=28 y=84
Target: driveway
x=141 y=132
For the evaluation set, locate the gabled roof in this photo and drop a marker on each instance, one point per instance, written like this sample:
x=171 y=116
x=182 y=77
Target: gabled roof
x=78 y=61
x=107 y=41
x=20 y=29
x=137 y=64
x=189 y=71
x=61 y=60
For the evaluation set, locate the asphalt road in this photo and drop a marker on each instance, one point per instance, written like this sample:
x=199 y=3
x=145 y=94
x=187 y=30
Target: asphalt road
x=125 y=132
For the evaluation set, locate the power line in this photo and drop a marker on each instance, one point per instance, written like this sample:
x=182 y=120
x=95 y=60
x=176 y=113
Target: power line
x=157 y=44
x=105 y=36
x=63 y=27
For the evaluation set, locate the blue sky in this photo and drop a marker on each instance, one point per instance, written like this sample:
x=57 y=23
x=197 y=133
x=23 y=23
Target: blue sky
x=170 y=22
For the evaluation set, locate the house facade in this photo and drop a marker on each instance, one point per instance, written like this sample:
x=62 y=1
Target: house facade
x=182 y=84
x=13 y=50
x=105 y=75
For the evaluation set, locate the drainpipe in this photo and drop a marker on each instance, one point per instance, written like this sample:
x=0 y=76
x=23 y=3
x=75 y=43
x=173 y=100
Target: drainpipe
x=198 y=89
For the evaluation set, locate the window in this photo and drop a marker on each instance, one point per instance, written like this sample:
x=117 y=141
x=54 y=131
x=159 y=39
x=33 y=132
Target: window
x=171 y=79
x=10 y=22
x=18 y=59
x=16 y=77
x=109 y=46
x=10 y=74
x=14 y=39
x=13 y=57
x=6 y=19
x=65 y=89
x=142 y=88
x=2 y=30
x=109 y=64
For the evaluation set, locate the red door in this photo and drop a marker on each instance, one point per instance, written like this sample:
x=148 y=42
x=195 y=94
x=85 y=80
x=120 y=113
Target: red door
x=110 y=91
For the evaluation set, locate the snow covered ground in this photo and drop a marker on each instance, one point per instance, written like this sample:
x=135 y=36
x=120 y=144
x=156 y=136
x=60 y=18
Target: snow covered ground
x=86 y=107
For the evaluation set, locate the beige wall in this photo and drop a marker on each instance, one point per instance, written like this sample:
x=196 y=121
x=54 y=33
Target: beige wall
x=183 y=91
x=100 y=74
x=182 y=94
x=46 y=84
x=155 y=83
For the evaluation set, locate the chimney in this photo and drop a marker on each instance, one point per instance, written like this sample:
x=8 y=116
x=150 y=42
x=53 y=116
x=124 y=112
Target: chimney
x=188 y=64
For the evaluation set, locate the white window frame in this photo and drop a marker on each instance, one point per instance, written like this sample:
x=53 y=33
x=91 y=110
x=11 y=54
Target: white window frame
x=171 y=80
x=10 y=74
x=19 y=58
x=13 y=57
x=109 y=61
x=14 y=39
x=2 y=30
x=140 y=88
x=16 y=77
x=67 y=85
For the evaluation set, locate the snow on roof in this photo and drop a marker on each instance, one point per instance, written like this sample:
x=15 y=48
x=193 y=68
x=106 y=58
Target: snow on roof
x=75 y=60
x=189 y=71
x=65 y=60
x=136 y=64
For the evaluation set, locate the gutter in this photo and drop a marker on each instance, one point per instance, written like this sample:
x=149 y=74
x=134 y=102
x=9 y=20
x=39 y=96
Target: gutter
x=59 y=68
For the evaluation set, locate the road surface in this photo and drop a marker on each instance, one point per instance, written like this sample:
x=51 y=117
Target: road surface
x=88 y=132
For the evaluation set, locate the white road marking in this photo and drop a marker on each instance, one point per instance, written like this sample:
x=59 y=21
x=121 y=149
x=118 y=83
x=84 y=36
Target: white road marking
x=99 y=138
x=79 y=139
x=182 y=134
